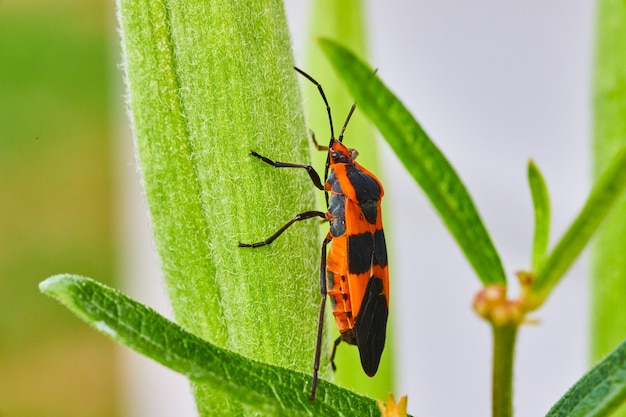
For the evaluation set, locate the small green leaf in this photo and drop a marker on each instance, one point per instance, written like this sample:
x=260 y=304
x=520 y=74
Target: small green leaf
x=424 y=161
x=271 y=389
x=598 y=392
x=604 y=194
x=541 y=203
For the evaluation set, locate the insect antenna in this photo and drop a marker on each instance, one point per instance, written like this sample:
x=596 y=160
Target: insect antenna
x=321 y=90
x=330 y=122
x=345 y=124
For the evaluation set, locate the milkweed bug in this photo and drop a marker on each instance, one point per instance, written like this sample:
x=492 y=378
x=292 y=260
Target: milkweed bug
x=354 y=271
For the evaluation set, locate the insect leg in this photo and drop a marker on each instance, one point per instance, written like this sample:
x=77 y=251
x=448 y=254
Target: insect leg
x=315 y=144
x=277 y=164
x=297 y=218
x=332 y=354
x=320 y=323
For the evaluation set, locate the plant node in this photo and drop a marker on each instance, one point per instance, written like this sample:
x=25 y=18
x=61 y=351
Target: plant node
x=491 y=303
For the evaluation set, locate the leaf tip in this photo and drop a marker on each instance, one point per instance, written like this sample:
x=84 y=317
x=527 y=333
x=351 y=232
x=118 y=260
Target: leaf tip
x=533 y=168
x=62 y=288
x=54 y=285
x=322 y=40
x=331 y=47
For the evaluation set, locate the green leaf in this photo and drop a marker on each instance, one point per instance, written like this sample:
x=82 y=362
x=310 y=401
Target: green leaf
x=603 y=196
x=598 y=392
x=422 y=159
x=207 y=83
x=267 y=388
x=541 y=204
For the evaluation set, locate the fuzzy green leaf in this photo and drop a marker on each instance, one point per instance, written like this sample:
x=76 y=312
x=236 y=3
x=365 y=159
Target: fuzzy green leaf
x=424 y=161
x=267 y=388
x=207 y=83
x=603 y=196
x=598 y=392
x=541 y=204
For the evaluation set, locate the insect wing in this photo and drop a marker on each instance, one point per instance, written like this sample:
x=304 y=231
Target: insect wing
x=371 y=326
x=369 y=283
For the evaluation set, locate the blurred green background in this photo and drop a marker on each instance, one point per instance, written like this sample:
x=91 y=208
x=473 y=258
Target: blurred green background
x=57 y=73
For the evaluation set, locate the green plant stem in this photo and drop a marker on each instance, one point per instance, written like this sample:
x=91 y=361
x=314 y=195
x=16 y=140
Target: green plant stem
x=504 y=338
x=343 y=21
x=608 y=285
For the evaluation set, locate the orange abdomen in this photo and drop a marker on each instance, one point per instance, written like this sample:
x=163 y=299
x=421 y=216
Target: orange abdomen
x=339 y=285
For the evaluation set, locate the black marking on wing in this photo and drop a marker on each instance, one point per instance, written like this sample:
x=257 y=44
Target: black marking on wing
x=367 y=191
x=371 y=325
x=380 y=248
x=365 y=250
x=360 y=250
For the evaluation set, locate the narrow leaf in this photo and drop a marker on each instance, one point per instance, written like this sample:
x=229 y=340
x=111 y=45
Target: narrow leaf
x=598 y=392
x=264 y=387
x=541 y=204
x=424 y=161
x=604 y=194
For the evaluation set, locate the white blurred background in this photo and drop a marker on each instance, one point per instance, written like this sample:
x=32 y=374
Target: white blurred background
x=494 y=84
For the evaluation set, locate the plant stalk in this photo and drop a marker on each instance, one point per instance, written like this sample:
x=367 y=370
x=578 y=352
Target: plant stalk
x=608 y=309
x=504 y=338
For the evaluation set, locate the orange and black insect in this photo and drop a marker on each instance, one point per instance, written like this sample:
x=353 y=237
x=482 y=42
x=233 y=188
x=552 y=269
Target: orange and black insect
x=353 y=271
